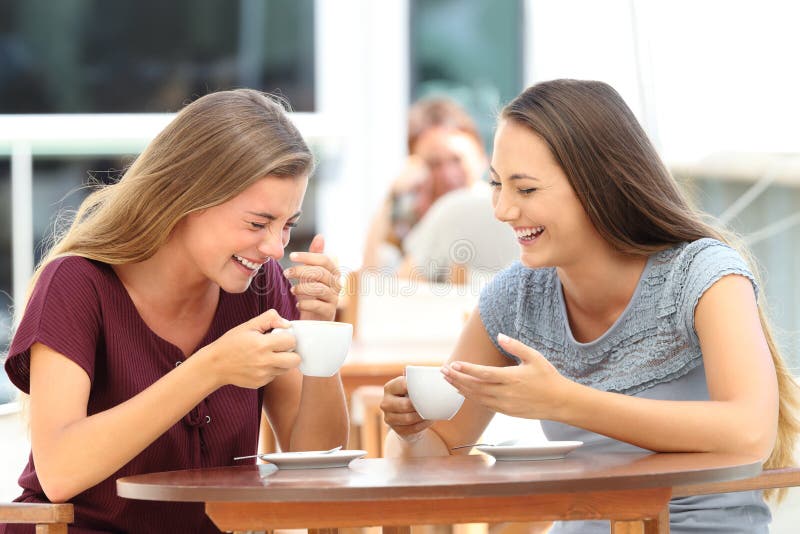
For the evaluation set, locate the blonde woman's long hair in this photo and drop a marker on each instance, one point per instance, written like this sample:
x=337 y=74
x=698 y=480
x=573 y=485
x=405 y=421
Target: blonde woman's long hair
x=215 y=148
x=632 y=199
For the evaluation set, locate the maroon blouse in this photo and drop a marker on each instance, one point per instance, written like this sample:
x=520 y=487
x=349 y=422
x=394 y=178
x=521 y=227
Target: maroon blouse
x=80 y=309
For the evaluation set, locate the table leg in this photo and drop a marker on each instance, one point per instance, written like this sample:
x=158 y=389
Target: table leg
x=396 y=530
x=323 y=531
x=627 y=527
x=657 y=525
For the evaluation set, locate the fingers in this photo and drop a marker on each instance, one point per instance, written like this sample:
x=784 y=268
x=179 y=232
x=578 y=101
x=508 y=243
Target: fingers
x=315 y=273
x=280 y=342
x=396 y=386
x=267 y=321
x=398 y=411
x=324 y=311
x=318 y=287
x=317 y=244
x=315 y=290
x=517 y=348
x=471 y=387
x=285 y=360
x=309 y=259
x=395 y=400
x=484 y=373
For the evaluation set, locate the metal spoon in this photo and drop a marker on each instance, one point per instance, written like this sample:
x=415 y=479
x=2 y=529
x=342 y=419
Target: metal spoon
x=295 y=452
x=501 y=444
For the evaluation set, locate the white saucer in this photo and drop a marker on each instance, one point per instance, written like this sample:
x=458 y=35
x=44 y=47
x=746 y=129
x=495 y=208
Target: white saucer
x=551 y=450
x=305 y=460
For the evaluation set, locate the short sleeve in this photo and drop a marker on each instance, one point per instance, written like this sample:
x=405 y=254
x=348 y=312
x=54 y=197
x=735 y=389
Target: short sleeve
x=63 y=313
x=702 y=264
x=499 y=302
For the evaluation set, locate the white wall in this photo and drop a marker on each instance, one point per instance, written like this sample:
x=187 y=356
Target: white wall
x=14 y=449
x=703 y=77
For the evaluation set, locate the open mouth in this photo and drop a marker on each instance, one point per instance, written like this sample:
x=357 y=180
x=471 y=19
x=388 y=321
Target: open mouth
x=250 y=265
x=528 y=235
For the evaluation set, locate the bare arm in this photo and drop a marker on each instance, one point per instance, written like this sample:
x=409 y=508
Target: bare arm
x=413 y=436
x=307 y=413
x=741 y=415
x=74 y=452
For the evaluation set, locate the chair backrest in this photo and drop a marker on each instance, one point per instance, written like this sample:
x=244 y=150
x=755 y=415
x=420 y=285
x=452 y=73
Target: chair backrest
x=48 y=518
x=388 y=309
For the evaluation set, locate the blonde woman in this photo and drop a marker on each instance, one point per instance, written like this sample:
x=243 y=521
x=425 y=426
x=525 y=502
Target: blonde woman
x=142 y=343
x=629 y=323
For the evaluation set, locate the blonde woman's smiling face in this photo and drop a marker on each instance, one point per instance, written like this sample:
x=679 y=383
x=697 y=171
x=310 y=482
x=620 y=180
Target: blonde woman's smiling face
x=533 y=195
x=229 y=242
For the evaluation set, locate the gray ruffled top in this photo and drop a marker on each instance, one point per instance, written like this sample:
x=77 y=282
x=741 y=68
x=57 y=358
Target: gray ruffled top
x=651 y=351
x=653 y=341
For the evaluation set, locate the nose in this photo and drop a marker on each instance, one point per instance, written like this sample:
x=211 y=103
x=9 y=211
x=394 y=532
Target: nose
x=271 y=246
x=505 y=210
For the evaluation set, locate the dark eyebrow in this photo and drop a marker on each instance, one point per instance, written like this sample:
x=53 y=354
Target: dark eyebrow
x=271 y=217
x=515 y=176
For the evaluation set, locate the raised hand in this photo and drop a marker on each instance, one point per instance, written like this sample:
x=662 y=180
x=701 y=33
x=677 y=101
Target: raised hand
x=533 y=389
x=318 y=286
x=247 y=356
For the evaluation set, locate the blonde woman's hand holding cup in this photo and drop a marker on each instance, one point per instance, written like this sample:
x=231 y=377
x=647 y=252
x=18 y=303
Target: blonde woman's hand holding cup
x=246 y=357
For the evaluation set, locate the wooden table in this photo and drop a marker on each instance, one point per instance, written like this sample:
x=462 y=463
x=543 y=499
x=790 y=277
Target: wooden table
x=630 y=489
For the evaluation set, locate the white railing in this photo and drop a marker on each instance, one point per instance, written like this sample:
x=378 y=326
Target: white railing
x=24 y=137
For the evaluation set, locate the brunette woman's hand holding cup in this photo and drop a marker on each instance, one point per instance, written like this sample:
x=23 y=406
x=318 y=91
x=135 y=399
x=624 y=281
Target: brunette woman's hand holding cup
x=399 y=413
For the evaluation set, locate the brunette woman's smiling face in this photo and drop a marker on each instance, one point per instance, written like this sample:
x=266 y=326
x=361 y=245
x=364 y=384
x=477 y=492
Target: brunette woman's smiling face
x=532 y=193
x=229 y=242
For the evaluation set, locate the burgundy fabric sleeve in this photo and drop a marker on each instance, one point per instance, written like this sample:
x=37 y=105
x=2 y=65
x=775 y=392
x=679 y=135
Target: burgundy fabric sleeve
x=63 y=313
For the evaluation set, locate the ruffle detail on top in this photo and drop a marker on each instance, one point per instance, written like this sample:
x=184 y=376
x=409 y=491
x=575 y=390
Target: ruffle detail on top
x=652 y=342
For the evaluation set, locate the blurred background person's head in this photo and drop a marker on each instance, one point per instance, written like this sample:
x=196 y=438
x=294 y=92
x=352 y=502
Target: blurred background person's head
x=443 y=137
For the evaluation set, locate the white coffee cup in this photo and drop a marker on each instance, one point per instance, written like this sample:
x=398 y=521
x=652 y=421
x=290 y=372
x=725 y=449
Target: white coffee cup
x=321 y=345
x=433 y=397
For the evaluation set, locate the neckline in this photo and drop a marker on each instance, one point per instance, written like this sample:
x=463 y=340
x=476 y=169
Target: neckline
x=614 y=327
x=143 y=324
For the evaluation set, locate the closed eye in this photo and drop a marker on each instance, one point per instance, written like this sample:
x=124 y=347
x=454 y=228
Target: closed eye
x=494 y=184
x=261 y=226
x=527 y=191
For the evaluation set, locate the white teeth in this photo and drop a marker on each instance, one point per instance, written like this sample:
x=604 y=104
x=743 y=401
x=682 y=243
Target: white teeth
x=528 y=232
x=247 y=263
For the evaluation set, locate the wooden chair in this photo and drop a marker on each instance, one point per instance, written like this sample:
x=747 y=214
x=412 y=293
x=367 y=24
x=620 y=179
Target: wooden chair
x=367 y=418
x=375 y=295
x=48 y=518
